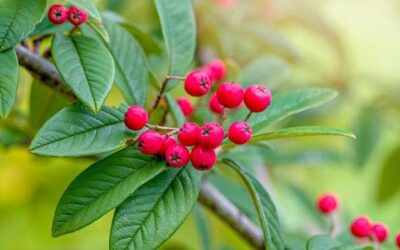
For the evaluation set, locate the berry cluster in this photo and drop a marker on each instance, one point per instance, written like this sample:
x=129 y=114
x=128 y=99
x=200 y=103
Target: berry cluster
x=59 y=14
x=201 y=140
x=361 y=227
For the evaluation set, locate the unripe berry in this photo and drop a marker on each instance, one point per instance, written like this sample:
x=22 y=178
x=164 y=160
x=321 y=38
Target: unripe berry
x=203 y=158
x=230 y=94
x=217 y=70
x=149 y=142
x=215 y=105
x=57 y=14
x=327 y=203
x=186 y=106
x=257 y=98
x=380 y=231
x=239 y=132
x=136 y=118
x=189 y=133
x=361 y=227
x=77 y=16
x=211 y=135
x=398 y=240
x=197 y=83
x=168 y=140
x=177 y=156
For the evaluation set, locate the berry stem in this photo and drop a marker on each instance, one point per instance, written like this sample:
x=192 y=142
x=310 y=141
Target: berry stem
x=173 y=131
x=160 y=95
x=332 y=224
x=223 y=117
x=151 y=126
x=248 y=116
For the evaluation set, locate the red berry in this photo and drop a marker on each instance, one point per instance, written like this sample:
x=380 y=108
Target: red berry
x=230 y=94
x=211 y=135
x=203 y=158
x=239 y=132
x=380 y=231
x=398 y=240
x=197 y=83
x=77 y=16
x=217 y=69
x=177 y=156
x=186 y=106
x=188 y=134
x=361 y=227
x=168 y=140
x=327 y=203
x=136 y=118
x=57 y=14
x=215 y=105
x=257 y=98
x=149 y=142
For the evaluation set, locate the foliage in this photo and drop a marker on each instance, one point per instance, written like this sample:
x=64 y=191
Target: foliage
x=151 y=201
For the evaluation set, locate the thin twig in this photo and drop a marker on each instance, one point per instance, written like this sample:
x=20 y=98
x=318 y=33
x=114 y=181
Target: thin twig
x=161 y=93
x=43 y=70
x=211 y=198
x=248 y=116
x=151 y=126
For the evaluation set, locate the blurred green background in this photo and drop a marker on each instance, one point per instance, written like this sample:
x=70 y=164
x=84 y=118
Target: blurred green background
x=352 y=46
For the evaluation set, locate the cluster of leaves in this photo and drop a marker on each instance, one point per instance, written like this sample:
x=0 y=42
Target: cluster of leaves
x=150 y=200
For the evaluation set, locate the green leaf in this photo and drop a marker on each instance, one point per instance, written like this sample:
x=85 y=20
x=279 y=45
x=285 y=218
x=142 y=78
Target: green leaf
x=270 y=70
x=17 y=19
x=368 y=128
x=289 y=103
x=146 y=40
x=44 y=103
x=266 y=210
x=76 y=131
x=202 y=227
x=179 y=31
x=175 y=110
x=9 y=71
x=131 y=67
x=102 y=187
x=296 y=132
x=389 y=184
x=323 y=242
x=86 y=66
x=156 y=210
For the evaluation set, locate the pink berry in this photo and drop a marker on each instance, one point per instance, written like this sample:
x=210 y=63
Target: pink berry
x=203 y=158
x=398 y=240
x=230 y=94
x=239 y=132
x=77 y=16
x=188 y=134
x=197 y=83
x=257 y=98
x=327 y=203
x=186 y=106
x=361 y=227
x=217 y=70
x=380 y=231
x=149 y=142
x=177 y=156
x=136 y=118
x=211 y=135
x=168 y=140
x=57 y=14
x=215 y=105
